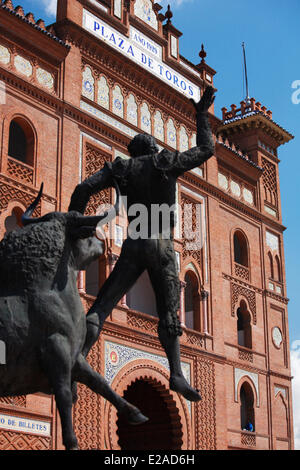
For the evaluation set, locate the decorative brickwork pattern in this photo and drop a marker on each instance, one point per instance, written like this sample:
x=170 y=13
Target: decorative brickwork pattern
x=87 y=414
x=94 y=161
x=248 y=439
x=270 y=182
x=205 y=410
x=141 y=322
x=196 y=339
x=19 y=170
x=14 y=401
x=242 y=272
x=245 y=355
x=188 y=228
x=236 y=292
x=7 y=193
x=15 y=441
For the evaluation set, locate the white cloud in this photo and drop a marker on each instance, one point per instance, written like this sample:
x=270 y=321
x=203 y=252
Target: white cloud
x=50 y=6
x=295 y=365
x=174 y=3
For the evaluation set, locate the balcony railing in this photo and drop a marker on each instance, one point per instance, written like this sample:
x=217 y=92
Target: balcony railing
x=245 y=354
x=248 y=439
x=242 y=272
x=20 y=170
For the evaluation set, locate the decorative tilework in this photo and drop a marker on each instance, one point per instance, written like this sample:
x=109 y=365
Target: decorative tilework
x=174 y=47
x=4 y=55
x=277 y=336
x=143 y=9
x=23 y=66
x=103 y=93
x=248 y=196
x=198 y=171
x=108 y=119
x=270 y=211
x=280 y=390
x=118 y=101
x=183 y=139
x=272 y=241
x=278 y=290
x=159 y=131
x=44 y=78
x=171 y=134
x=118 y=8
x=132 y=115
x=117 y=356
x=145 y=118
x=235 y=188
x=223 y=181
x=88 y=84
x=193 y=140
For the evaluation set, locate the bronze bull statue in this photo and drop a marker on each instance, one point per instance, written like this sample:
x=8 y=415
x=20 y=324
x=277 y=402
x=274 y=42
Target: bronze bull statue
x=42 y=320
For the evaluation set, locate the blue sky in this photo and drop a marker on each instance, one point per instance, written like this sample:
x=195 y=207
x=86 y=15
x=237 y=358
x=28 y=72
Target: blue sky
x=270 y=30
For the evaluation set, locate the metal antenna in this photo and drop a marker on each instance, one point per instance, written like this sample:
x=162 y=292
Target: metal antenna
x=246 y=75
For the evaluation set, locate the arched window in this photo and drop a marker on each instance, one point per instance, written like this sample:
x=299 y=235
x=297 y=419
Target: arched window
x=247 y=408
x=270 y=266
x=277 y=269
x=240 y=249
x=192 y=302
x=244 y=331
x=21 y=141
x=13 y=221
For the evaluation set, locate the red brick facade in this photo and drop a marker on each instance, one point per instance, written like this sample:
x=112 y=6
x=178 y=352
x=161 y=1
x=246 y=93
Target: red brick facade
x=79 y=100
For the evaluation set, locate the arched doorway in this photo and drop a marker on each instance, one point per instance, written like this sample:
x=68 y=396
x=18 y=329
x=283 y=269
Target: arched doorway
x=163 y=431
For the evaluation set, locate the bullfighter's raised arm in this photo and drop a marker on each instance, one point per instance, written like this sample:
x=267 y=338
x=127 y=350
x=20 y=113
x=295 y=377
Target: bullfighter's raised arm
x=101 y=180
x=205 y=145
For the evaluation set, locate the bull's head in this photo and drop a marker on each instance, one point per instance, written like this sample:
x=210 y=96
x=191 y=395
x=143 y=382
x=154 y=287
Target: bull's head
x=80 y=229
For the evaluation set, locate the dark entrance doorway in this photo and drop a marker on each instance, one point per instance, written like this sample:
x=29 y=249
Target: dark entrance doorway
x=163 y=431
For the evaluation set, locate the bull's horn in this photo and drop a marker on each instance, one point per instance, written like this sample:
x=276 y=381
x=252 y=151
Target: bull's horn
x=93 y=221
x=27 y=216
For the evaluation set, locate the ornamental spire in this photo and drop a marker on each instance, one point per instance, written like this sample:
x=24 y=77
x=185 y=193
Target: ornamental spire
x=169 y=15
x=202 y=54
